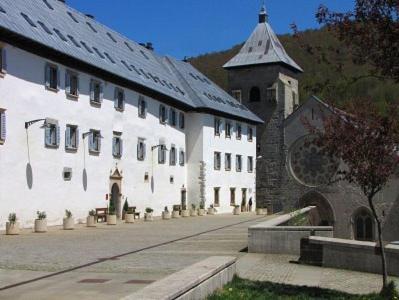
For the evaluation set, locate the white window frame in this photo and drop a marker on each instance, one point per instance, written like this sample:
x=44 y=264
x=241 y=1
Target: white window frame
x=238 y=132
x=117 y=145
x=228 y=129
x=163 y=114
x=182 y=158
x=162 y=154
x=71 y=141
x=227 y=161
x=238 y=163
x=52 y=134
x=250 y=164
x=250 y=133
x=95 y=139
x=218 y=126
x=142 y=107
x=94 y=98
x=48 y=77
x=172 y=156
x=118 y=105
x=68 y=84
x=141 y=149
x=217 y=160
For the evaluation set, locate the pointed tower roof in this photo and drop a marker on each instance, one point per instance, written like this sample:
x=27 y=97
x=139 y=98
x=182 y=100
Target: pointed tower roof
x=262 y=47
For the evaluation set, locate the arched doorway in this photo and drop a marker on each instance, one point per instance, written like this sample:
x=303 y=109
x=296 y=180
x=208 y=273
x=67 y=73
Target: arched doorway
x=254 y=94
x=363 y=225
x=115 y=200
x=323 y=214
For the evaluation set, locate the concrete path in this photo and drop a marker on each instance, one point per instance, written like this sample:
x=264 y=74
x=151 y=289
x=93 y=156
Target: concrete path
x=109 y=262
x=277 y=268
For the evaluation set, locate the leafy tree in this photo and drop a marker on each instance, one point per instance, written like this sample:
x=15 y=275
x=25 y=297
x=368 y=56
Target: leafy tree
x=366 y=141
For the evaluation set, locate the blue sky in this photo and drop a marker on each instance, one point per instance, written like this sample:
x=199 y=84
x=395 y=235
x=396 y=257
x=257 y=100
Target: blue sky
x=192 y=27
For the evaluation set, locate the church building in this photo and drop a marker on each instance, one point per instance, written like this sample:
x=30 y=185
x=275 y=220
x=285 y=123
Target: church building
x=291 y=171
x=89 y=117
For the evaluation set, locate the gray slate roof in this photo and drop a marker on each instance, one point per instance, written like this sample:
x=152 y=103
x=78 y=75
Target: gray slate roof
x=65 y=30
x=262 y=47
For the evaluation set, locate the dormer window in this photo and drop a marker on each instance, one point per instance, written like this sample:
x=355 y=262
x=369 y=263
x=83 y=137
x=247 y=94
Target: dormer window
x=237 y=94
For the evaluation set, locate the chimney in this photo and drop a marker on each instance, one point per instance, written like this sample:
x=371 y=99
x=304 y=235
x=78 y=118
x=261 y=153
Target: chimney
x=149 y=46
x=62 y=1
x=90 y=16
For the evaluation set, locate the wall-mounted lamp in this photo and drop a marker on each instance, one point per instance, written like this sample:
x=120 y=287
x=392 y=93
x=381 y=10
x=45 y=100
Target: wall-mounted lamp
x=29 y=123
x=163 y=147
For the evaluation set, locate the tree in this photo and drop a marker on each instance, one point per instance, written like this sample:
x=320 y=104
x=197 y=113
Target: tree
x=366 y=141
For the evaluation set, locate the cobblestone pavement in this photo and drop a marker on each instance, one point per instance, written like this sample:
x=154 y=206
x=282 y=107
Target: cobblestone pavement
x=32 y=255
x=277 y=268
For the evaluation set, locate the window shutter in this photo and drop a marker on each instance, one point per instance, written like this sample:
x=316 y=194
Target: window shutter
x=4 y=60
x=121 y=147
x=114 y=146
x=160 y=113
x=67 y=83
x=77 y=138
x=101 y=92
x=91 y=138
x=47 y=136
x=145 y=108
x=115 y=98
x=3 y=132
x=47 y=75
x=68 y=137
x=91 y=90
x=144 y=150
x=138 y=150
x=58 y=135
x=58 y=79
x=99 y=142
x=77 y=85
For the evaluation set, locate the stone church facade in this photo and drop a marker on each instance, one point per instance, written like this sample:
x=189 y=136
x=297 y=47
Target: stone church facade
x=290 y=172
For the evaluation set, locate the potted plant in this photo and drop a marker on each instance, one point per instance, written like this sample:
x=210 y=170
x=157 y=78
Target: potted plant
x=125 y=209
x=175 y=212
x=185 y=212
x=236 y=210
x=68 y=222
x=41 y=222
x=91 y=219
x=129 y=215
x=111 y=216
x=12 y=226
x=201 y=210
x=211 y=210
x=148 y=214
x=166 y=214
x=193 y=211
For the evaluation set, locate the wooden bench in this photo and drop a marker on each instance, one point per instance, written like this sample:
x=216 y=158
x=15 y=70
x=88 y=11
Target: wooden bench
x=136 y=213
x=101 y=213
x=194 y=282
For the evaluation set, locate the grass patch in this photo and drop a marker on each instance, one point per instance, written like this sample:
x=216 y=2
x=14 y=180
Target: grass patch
x=242 y=289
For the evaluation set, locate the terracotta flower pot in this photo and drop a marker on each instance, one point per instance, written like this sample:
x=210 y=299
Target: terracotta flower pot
x=175 y=214
x=166 y=215
x=237 y=211
x=201 y=212
x=41 y=225
x=193 y=213
x=211 y=211
x=12 y=228
x=129 y=218
x=185 y=213
x=111 y=219
x=68 y=223
x=91 y=221
x=148 y=217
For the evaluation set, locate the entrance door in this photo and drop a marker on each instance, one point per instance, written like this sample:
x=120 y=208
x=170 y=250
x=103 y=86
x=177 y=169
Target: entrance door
x=184 y=199
x=244 y=200
x=116 y=199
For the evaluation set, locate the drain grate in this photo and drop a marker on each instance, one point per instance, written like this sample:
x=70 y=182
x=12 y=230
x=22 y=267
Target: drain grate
x=94 y=280
x=137 y=281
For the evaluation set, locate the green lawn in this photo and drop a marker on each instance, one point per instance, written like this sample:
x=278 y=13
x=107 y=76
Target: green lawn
x=255 y=290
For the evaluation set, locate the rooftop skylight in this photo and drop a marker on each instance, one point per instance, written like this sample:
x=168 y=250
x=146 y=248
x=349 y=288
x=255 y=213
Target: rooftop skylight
x=74 y=41
x=62 y=37
x=72 y=17
x=45 y=27
x=48 y=5
x=91 y=27
x=2 y=10
x=86 y=47
x=28 y=20
x=129 y=47
x=99 y=53
x=111 y=37
x=126 y=65
x=145 y=55
x=109 y=57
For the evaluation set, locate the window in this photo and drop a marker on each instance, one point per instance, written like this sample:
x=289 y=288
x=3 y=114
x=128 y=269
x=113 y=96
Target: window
x=52 y=77
x=181 y=120
x=162 y=154
x=3 y=131
x=228 y=129
x=52 y=135
x=254 y=94
x=238 y=131
x=218 y=125
x=163 y=114
x=67 y=174
x=271 y=94
x=173 y=117
x=232 y=196
x=95 y=141
x=238 y=163
x=250 y=134
x=71 y=84
x=363 y=226
x=217 y=161
x=96 y=91
x=71 y=137
x=3 y=61
x=216 y=196
x=142 y=107
x=182 y=158
x=237 y=95
x=172 y=156
x=250 y=164
x=141 y=149
x=117 y=145
x=227 y=161
x=119 y=99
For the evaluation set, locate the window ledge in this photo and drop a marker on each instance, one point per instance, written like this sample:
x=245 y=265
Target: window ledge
x=72 y=96
x=117 y=156
x=3 y=73
x=52 y=89
x=94 y=152
x=52 y=146
x=238 y=138
x=142 y=116
x=95 y=103
x=119 y=109
x=71 y=149
x=2 y=142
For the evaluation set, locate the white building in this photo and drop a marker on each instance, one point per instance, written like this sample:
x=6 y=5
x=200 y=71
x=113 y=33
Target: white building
x=116 y=122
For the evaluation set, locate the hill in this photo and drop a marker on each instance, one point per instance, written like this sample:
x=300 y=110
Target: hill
x=322 y=76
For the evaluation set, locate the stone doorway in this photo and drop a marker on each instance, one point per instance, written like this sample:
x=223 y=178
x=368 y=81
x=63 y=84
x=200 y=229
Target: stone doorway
x=116 y=192
x=244 y=200
x=183 y=199
x=323 y=215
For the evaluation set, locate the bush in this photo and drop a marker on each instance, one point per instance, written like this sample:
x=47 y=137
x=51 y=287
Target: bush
x=149 y=210
x=68 y=214
x=111 y=210
x=12 y=217
x=92 y=212
x=126 y=206
x=390 y=292
x=166 y=209
x=41 y=215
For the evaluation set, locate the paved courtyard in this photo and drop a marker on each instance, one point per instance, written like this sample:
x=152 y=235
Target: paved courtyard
x=108 y=262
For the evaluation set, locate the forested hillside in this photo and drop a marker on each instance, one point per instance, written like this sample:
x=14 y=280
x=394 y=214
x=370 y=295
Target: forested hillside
x=329 y=70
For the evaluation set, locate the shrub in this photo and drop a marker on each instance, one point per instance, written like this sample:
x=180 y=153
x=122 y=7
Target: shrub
x=166 y=209
x=202 y=205
x=92 y=212
x=390 y=291
x=111 y=210
x=126 y=206
x=41 y=215
x=12 y=217
x=149 y=210
x=68 y=214
x=193 y=206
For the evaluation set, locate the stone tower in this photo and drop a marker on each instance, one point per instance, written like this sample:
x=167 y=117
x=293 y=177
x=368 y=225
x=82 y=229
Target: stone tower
x=264 y=78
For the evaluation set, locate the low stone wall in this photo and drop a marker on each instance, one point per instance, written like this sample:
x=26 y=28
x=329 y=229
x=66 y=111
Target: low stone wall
x=356 y=255
x=195 y=282
x=271 y=237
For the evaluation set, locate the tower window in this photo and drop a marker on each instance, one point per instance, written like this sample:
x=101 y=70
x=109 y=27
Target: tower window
x=254 y=94
x=237 y=95
x=364 y=226
x=271 y=95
